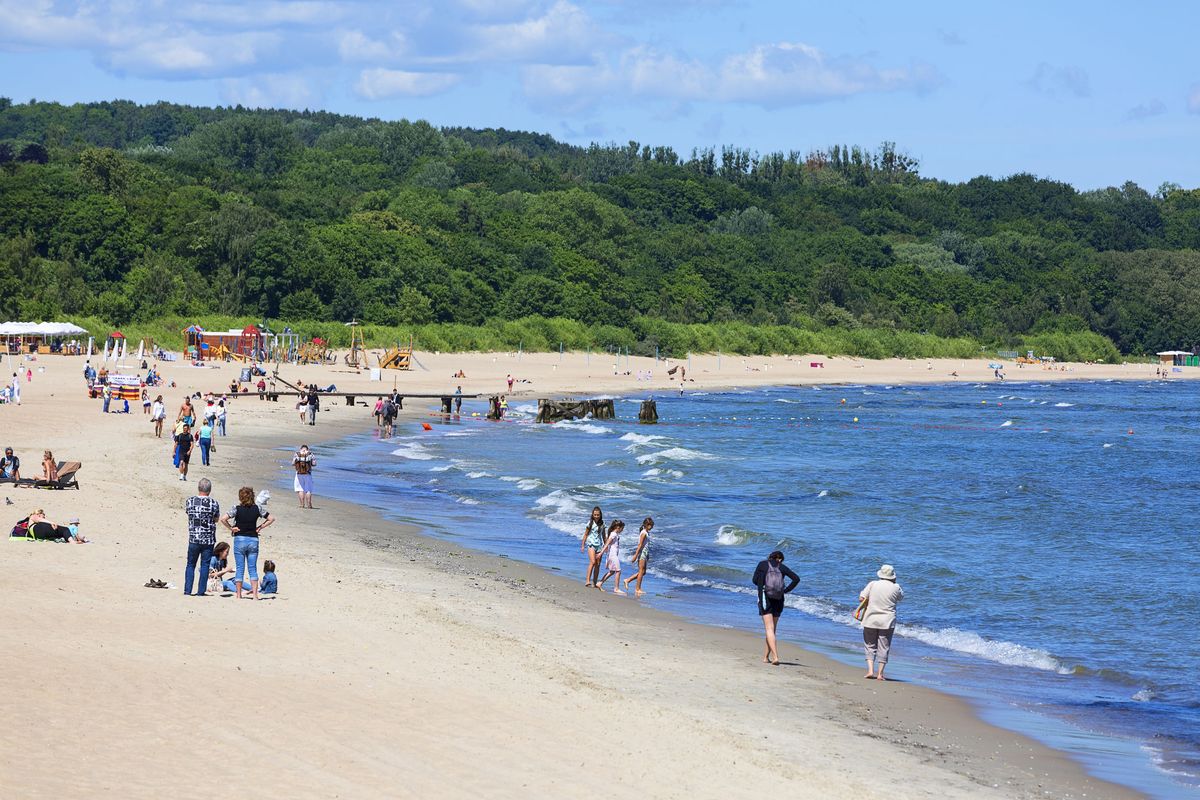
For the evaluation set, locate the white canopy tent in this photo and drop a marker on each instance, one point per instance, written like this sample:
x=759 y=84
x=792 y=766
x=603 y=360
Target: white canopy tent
x=16 y=336
x=40 y=329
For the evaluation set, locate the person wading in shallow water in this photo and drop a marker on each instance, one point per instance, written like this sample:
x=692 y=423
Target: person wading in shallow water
x=879 y=619
x=769 y=577
x=592 y=541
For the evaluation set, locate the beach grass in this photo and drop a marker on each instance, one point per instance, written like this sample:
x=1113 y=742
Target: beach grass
x=644 y=336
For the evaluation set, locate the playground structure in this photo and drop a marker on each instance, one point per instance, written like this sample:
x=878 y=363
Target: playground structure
x=357 y=357
x=246 y=344
x=284 y=346
x=315 y=352
x=397 y=357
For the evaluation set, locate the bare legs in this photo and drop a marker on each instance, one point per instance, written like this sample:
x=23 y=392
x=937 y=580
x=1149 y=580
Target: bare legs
x=641 y=573
x=593 y=572
x=305 y=499
x=877 y=642
x=616 y=583
x=770 y=654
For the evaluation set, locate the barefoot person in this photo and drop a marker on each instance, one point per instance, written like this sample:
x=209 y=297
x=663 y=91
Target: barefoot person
x=303 y=462
x=593 y=540
x=879 y=619
x=769 y=578
x=248 y=521
x=641 y=556
x=612 y=546
x=49 y=467
x=158 y=413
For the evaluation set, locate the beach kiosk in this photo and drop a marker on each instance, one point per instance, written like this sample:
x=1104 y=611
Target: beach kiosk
x=1178 y=358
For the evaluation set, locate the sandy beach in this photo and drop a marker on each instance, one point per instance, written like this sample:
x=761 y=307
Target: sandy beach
x=396 y=665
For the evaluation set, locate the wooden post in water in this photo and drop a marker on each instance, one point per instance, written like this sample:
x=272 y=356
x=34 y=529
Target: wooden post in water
x=648 y=414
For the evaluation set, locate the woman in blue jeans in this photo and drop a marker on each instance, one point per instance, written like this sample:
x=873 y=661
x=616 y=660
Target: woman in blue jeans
x=246 y=521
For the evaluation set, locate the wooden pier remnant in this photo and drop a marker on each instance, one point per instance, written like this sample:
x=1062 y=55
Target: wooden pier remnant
x=559 y=410
x=648 y=413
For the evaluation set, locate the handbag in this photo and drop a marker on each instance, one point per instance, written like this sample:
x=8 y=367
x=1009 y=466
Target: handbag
x=861 y=610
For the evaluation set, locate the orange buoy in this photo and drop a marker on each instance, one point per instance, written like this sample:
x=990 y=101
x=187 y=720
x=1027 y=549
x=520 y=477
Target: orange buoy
x=426 y=426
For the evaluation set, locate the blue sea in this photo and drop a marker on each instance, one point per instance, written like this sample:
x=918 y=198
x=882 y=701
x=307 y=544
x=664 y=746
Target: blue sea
x=1044 y=534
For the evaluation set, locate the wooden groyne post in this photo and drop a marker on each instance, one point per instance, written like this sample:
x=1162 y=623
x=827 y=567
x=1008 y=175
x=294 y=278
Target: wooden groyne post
x=559 y=410
x=648 y=413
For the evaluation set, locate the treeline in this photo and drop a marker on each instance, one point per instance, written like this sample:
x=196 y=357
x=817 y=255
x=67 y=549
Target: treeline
x=131 y=213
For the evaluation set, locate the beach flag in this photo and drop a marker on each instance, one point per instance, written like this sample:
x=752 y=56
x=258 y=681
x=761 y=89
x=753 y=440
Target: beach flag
x=91 y=345
x=106 y=351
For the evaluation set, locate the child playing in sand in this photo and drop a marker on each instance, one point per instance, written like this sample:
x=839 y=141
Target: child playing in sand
x=612 y=546
x=218 y=568
x=269 y=583
x=641 y=556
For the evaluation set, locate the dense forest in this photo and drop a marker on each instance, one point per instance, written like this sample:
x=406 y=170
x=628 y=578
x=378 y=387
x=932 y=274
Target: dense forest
x=127 y=213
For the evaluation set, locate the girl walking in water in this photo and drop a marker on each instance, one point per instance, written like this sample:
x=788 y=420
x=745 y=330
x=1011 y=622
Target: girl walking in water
x=593 y=540
x=641 y=556
x=612 y=546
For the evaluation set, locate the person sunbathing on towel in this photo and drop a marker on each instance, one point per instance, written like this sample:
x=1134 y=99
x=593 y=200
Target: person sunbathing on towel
x=44 y=530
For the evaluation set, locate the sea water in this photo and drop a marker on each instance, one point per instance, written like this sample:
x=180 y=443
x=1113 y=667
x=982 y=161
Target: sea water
x=1043 y=533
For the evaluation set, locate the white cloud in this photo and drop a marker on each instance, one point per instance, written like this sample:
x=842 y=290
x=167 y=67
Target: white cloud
x=1193 y=99
x=262 y=14
x=772 y=75
x=356 y=46
x=271 y=91
x=1060 y=82
x=379 y=83
x=562 y=34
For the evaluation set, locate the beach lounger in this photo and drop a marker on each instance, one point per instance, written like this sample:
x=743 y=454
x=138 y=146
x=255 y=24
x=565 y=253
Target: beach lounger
x=66 y=478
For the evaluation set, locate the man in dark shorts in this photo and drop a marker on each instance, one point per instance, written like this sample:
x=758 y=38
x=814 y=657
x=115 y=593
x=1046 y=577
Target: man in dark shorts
x=183 y=445
x=770 y=576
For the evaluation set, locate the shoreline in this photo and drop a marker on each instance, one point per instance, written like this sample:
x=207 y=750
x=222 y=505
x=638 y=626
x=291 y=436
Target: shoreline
x=923 y=721
x=392 y=658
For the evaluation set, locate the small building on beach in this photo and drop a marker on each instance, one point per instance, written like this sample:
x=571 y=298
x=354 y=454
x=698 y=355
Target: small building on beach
x=1178 y=358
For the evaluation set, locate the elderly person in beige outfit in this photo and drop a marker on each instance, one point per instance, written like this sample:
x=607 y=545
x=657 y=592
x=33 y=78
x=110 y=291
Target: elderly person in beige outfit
x=879 y=619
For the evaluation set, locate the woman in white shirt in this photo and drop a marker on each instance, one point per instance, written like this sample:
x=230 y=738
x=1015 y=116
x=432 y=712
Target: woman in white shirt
x=879 y=619
x=158 y=412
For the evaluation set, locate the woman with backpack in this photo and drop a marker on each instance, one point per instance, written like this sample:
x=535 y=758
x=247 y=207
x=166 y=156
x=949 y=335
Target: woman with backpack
x=769 y=577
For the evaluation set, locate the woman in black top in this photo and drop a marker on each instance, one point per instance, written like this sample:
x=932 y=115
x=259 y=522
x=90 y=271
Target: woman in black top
x=248 y=520
x=771 y=576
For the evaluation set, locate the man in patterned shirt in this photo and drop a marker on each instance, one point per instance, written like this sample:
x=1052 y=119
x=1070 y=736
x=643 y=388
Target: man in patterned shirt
x=202 y=513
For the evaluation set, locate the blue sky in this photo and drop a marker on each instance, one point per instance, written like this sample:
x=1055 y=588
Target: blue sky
x=1067 y=90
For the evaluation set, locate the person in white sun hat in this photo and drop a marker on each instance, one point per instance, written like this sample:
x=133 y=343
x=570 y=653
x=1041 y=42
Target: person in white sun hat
x=879 y=598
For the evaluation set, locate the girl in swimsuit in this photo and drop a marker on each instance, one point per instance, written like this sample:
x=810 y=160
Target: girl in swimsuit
x=593 y=540
x=641 y=556
x=613 y=564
